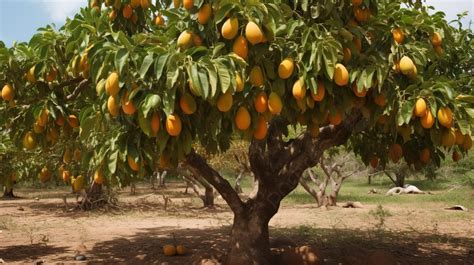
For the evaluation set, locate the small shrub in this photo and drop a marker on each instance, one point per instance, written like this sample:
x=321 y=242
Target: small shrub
x=380 y=214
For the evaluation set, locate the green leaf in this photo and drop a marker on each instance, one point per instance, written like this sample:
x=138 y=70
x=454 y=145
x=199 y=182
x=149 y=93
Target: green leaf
x=112 y=161
x=169 y=101
x=313 y=85
x=121 y=59
x=224 y=77
x=465 y=98
x=204 y=81
x=160 y=63
x=369 y=79
x=223 y=11
x=464 y=125
x=470 y=112
x=405 y=113
x=144 y=123
x=122 y=38
x=173 y=73
x=88 y=120
x=329 y=63
x=88 y=27
x=146 y=65
x=217 y=48
x=194 y=76
x=212 y=78
x=151 y=101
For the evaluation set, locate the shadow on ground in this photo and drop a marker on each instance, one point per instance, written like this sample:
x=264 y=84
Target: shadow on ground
x=145 y=247
x=337 y=246
x=28 y=252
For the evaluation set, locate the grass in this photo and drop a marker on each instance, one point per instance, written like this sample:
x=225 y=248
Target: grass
x=447 y=191
x=452 y=186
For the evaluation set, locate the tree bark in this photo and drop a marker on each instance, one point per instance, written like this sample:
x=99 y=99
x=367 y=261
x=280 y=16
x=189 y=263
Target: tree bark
x=309 y=190
x=250 y=242
x=254 y=191
x=8 y=193
x=400 y=178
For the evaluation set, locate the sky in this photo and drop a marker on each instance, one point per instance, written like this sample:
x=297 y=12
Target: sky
x=19 y=19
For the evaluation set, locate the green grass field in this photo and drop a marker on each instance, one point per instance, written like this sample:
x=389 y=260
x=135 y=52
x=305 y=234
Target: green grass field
x=453 y=185
x=449 y=191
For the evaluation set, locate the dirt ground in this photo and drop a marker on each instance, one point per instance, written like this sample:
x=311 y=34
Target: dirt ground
x=38 y=227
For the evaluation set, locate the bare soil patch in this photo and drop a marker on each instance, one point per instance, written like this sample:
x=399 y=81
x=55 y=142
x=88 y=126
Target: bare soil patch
x=32 y=230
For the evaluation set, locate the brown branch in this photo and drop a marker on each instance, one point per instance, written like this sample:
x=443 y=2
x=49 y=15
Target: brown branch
x=310 y=190
x=69 y=82
x=82 y=85
x=191 y=181
x=326 y=170
x=312 y=149
x=313 y=178
x=217 y=181
x=390 y=177
x=42 y=85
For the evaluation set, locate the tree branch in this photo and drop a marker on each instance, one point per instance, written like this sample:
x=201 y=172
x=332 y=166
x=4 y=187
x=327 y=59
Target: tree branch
x=217 y=181
x=313 y=177
x=194 y=186
x=82 y=85
x=388 y=175
x=69 y=82
x=308 y=189
x=312 y=149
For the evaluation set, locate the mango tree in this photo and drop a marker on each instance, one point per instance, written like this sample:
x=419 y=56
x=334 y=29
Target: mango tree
x=139 y=83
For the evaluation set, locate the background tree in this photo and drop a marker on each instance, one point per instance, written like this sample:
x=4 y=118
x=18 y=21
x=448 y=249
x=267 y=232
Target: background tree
x=334 y=170
x=134 y=83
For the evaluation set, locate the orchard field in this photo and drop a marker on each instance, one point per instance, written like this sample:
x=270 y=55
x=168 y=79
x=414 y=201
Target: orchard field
x=239 y=132
x=407 y=229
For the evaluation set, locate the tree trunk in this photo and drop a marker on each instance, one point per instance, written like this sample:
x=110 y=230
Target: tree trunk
x=207 y=196
x=333 y=198
x=400 y=180
x=188 y=184
x=152 y=181
x=8 y=193
x=208 y=199
x=92 y=198
x=250 y=242
x=254 y=191
x=161 y=177
x=277 y=166
x=309 y=190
